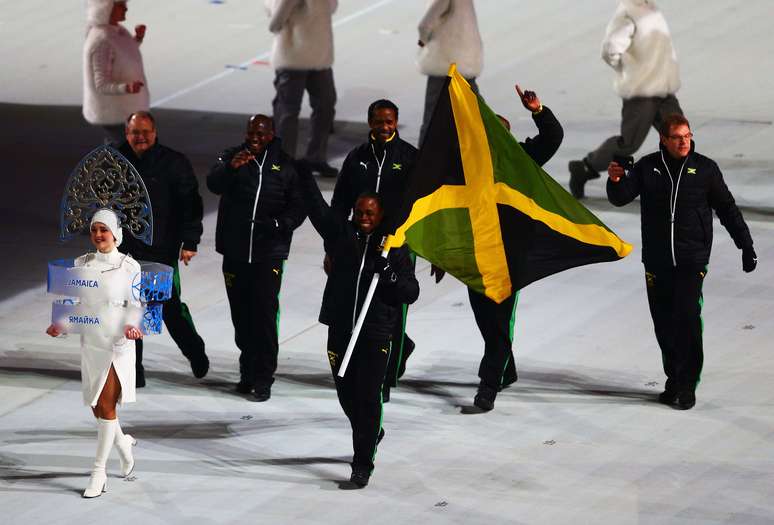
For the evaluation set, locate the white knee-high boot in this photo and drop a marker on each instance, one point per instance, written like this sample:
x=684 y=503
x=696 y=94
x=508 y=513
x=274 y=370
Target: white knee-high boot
x=124 y=444
x=106 y=434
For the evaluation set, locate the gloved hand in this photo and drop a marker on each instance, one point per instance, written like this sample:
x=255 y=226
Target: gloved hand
x=749 y=259
x=434 y=270
x=267 y=226
x=383 y=267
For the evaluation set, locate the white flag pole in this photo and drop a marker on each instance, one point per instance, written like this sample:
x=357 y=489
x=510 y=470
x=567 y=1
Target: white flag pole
x=360 y=319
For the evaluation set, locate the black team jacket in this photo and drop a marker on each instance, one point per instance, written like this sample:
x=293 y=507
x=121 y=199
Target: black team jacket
x=259 y=209
x=677 y=197
x=175 y=201
x=353 y=257
x=360 y=172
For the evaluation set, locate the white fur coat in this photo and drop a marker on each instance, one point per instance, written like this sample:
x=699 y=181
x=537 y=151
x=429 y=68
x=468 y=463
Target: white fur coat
x=638 y=46
x=111 y=60
x=303 y=35
x=449 y=30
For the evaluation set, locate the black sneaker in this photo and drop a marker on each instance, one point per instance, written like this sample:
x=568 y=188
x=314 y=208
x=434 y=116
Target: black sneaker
x=509 y=379
x=359 y=477
x=485 y=398
x=408 y=349
x=244 y=387
x=262 y=393
x=667 y=397
x=200 y=366
x=685 y=400
x=580 y=172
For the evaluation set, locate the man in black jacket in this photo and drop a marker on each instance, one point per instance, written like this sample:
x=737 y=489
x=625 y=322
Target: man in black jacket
x=496 y=321
x=177 y=229
x=354 y=257
x=260 y=206
x=381 y=165
x=678 y=190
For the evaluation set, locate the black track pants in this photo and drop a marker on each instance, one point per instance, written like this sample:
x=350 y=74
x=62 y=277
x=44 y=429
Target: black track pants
x=253 y=296
x=495 y=321
x=675 y=299
x=360 y=390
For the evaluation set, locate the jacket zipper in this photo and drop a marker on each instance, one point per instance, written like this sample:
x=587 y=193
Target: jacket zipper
x=357 y=283
x=379 y=165
x=255 y=202
x=675 y=186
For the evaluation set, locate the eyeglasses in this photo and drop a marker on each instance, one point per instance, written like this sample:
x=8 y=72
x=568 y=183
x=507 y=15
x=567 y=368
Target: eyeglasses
x=679 y=138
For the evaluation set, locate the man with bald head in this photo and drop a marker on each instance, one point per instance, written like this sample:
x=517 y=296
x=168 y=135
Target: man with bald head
x=177 y=228
x=260 y=206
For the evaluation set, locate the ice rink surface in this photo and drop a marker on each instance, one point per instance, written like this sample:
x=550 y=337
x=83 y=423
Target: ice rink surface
x=579 y=438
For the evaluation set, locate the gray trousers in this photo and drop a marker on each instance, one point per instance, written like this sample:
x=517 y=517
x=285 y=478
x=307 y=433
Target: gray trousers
x=432 y=93
x=638 y=114
x=290 y=85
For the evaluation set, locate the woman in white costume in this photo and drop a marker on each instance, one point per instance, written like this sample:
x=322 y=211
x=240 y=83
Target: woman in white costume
x=107 y=360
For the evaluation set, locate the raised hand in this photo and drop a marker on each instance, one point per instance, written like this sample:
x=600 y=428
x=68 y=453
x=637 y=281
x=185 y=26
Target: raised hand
x=529 y=99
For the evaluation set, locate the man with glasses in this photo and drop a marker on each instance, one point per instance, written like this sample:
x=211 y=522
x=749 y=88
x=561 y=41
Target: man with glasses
x=678 y=190
x=177 y=229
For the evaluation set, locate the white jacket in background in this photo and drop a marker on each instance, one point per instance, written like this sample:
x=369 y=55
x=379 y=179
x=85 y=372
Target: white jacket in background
x=449 y=31
x=111 y=60
x=303 y=34
x=638 y=46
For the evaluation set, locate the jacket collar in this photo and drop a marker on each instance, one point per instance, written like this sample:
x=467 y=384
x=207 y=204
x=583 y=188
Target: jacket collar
x=378 y=146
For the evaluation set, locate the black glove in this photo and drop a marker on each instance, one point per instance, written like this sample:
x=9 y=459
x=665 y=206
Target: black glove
x=383 y=267
x=268 y=226
x=434 y=270
x=749 y=259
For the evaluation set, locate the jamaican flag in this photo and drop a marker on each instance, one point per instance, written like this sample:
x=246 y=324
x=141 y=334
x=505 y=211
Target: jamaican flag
x=478 y=207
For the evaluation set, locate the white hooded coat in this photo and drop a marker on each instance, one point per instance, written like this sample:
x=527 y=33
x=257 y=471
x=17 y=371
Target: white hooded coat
x=449 y=31
x=111 y=60
x=638 y=46
x=303 y=34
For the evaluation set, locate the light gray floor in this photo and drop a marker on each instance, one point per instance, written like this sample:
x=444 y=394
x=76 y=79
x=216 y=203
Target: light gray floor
x=578 y=439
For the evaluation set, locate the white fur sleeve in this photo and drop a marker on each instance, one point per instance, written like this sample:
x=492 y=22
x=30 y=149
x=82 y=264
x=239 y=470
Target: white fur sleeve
x=618 y=38
x=435 y=12
x=102 y=69
x=281 y=13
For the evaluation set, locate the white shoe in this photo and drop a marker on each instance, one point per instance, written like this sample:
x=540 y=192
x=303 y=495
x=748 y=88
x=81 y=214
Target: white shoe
x=97 y=484
x=124 y=445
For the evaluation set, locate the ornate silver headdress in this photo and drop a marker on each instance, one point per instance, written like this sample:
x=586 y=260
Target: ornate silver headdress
x=106 y=179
